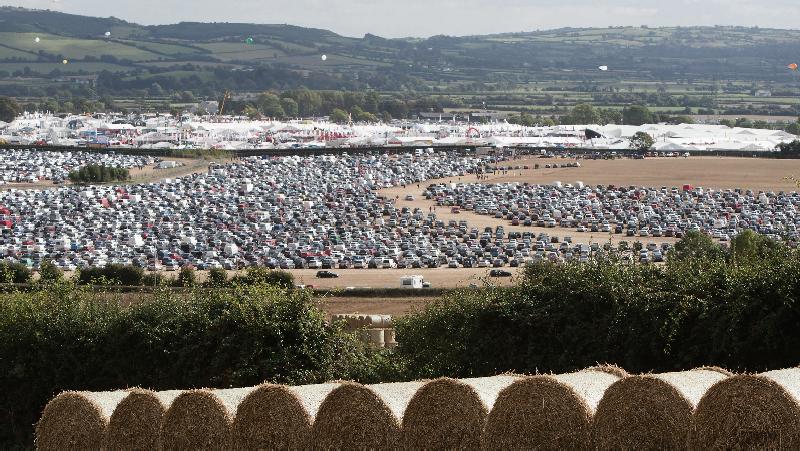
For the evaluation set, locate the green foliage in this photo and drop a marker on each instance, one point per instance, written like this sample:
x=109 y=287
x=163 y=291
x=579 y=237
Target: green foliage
x=14 y=273
x=642 y=141
x=64 y=338
x=790 y=150
x=217 y=277
x=583 y=114
x=749 y=246
x=339 y=116
x=636 y=115
x=114 y=274
x=50 y=273
x=187 y=278
x=94 y=173
x=263 y=276
x=270 y=105
x=696 y=245
x=9 y=109
x=698 y=310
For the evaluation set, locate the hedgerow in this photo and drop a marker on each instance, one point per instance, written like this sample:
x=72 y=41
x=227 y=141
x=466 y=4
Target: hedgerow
x=64 y=337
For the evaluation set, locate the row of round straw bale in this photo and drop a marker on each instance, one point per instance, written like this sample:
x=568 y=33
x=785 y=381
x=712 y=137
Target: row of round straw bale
x=597 y=408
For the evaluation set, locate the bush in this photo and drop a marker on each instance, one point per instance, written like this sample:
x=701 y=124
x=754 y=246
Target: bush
x=735 y=313
x=264 y=276
x=217 y=278
x=64 y=338
x=124 y=275
x=15 y=273
x=154 y=279
x=49 y=272
x=186 y=278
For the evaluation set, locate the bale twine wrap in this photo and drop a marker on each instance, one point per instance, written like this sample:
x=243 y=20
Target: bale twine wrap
x=201 y=419
x=547 y=411
x=451 y=414
x=136 y=422
x=355 y=416
x=750 y=411
x=77 y=420
x=278 y=417
x=651 y=411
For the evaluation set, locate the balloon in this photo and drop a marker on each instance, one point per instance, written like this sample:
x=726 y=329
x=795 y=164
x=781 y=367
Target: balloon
x=36 y=39
x=324 y=57
x=603 y=68
x=65 y=62
x=108 y=33
x=249 y=41
x=793 y=66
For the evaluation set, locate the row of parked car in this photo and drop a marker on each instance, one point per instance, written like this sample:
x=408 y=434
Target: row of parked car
x=630 y=210
x=33 y=165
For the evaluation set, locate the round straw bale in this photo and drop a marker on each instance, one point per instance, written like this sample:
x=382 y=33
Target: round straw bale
x=652 y=411
x=750 y=411
x=547 y=412
x=451 y=414
x=354 y=416
x=136 y=422
x=77 y=420
x=201 y=419
x=278 y=417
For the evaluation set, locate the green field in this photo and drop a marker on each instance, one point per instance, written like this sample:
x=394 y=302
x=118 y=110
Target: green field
x=73 y=67
x=73 y=48
x=233 y=51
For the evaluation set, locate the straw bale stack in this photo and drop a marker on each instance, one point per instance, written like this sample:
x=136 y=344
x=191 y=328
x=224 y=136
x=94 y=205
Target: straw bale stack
x=136 y=422
x=547 y=411
x=451 y=414
x=651 y=411
x=750 y=411
x=77 y=420
x=355 y=416
x=278 y=417
x=201 y=419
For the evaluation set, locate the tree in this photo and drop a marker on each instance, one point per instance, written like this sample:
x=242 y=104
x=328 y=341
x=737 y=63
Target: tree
x=290 y=108
x=793 y=128
x=9 y=109
x=584 y=114
x=696 y=245
x=636 y=115
x=251 y=112
x=339 y=116
x=360 y=115
x=748 y=246
x=610 y=116
x=270 y=105
x=642 y=141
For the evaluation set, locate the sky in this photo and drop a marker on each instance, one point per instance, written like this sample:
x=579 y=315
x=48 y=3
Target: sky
x=424 y=18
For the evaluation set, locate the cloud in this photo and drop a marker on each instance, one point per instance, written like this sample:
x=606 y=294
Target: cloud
x=422 y=18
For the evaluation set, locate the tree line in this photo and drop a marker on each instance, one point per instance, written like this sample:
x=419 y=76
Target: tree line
x=96 y=173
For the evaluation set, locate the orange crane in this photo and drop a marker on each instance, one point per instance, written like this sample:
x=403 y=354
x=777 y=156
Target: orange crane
x=226 y=96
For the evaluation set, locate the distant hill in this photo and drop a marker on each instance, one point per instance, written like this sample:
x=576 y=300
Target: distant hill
x=292 y=55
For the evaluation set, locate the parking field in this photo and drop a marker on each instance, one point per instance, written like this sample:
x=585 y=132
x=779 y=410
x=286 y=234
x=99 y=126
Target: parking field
x=708 y=172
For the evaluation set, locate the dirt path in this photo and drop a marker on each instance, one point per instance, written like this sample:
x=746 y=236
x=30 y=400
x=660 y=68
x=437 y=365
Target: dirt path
x=190 y=166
